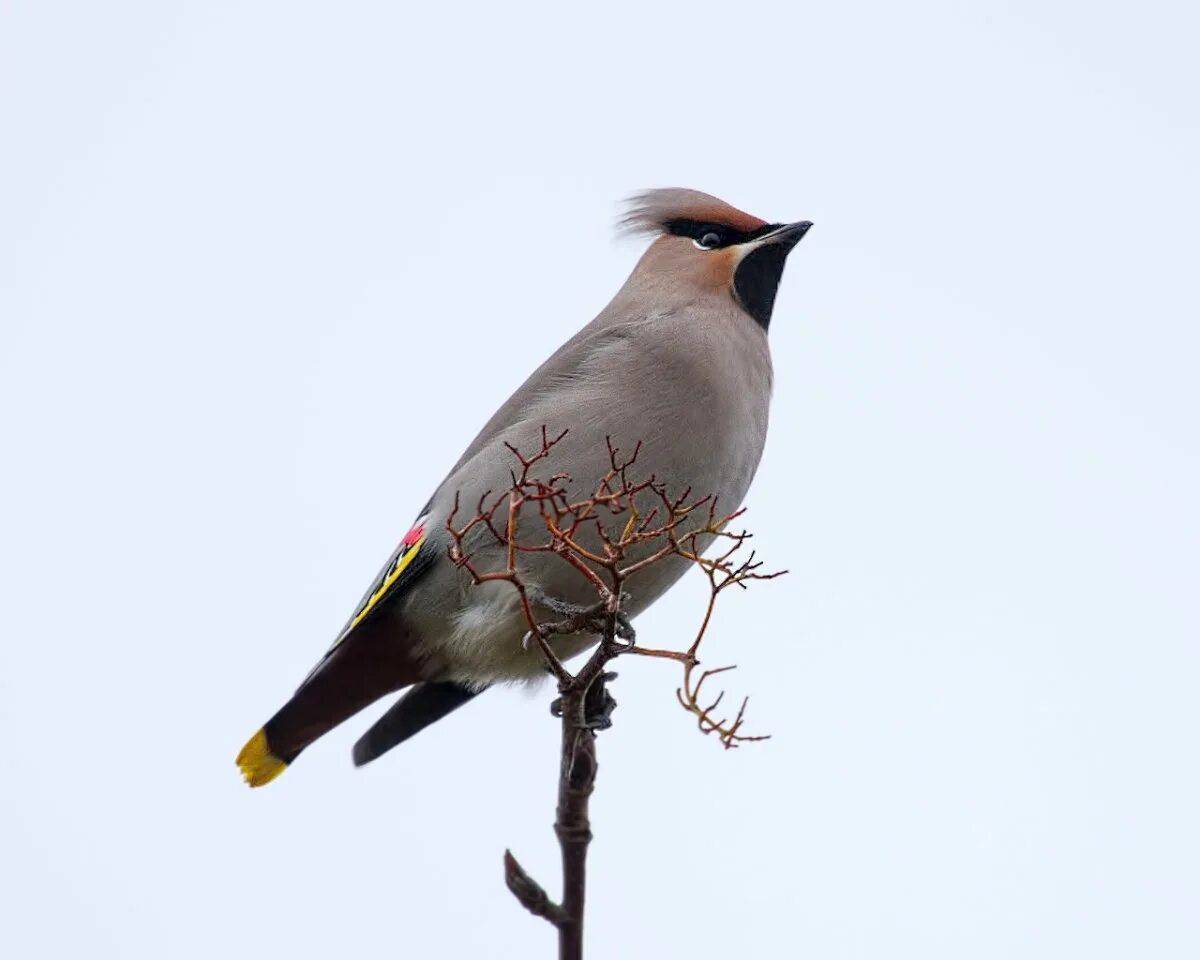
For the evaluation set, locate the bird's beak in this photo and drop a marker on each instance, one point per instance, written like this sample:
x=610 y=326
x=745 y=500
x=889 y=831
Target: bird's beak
x=786 y=236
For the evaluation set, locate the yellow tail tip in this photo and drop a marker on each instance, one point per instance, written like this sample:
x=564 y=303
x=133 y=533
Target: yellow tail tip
x=258 y=764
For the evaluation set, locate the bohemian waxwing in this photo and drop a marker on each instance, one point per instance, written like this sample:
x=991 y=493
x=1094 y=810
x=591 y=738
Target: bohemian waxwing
x=679 y=361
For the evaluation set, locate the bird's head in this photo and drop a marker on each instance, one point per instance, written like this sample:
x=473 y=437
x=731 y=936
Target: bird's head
x=704 y=246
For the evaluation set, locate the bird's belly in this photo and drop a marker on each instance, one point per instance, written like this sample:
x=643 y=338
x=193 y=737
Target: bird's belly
x=476 y=634
x=481 y=642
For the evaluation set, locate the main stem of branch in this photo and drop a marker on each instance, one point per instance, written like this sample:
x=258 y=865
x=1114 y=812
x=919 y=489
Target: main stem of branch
x=577 y=779
x=585 y=707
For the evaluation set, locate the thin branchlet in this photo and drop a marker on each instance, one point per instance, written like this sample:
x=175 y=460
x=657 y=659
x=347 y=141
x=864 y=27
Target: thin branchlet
x=629 y=523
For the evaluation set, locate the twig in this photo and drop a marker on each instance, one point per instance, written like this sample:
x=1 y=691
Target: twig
x=631 y=541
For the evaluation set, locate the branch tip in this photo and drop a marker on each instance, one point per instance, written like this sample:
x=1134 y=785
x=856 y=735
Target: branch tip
x=529 y=892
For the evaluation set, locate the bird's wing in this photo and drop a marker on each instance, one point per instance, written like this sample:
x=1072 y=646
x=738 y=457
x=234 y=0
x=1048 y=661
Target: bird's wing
x=414 y=555
x=558 y=370
x=410 y=558
x=422 y=705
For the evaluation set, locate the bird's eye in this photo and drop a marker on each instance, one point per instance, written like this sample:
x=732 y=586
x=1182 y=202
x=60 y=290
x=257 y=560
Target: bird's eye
x=708 y=241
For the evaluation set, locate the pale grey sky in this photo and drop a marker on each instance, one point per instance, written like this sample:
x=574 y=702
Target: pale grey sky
x=249 y=255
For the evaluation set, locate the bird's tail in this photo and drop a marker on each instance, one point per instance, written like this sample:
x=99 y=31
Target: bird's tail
x=371 y=663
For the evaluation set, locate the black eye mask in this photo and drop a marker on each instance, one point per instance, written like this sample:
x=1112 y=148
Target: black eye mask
x=726 y=235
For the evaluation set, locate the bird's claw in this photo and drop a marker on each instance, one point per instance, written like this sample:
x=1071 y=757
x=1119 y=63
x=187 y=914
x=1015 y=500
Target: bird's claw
x=599 y=704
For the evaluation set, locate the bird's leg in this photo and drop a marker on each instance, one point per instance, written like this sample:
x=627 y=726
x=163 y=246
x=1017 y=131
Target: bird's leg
x=598 y=618
x=578 y=618
x=563 y=607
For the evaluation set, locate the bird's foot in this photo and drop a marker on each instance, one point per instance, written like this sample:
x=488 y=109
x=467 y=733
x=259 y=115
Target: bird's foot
x=598 y=704
x=563 y=607
x=625 y=632
x=578 y=618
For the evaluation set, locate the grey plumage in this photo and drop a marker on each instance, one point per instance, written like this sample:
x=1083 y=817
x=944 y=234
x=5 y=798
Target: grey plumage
x=679 y=360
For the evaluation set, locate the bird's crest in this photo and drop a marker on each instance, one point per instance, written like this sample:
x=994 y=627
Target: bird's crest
x=654 y=211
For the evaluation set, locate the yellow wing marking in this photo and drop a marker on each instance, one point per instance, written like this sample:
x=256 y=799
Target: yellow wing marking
x=402 y=562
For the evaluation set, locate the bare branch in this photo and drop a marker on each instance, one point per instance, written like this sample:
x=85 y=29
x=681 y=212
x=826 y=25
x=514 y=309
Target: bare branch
x=607 y=540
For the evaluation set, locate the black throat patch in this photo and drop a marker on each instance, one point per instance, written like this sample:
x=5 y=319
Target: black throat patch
x=756 y=281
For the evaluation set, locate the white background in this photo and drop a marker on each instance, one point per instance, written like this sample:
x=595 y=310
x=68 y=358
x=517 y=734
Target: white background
x=260 y=271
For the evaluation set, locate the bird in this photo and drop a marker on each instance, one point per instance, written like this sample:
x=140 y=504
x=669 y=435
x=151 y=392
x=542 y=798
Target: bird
x=678 y=361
